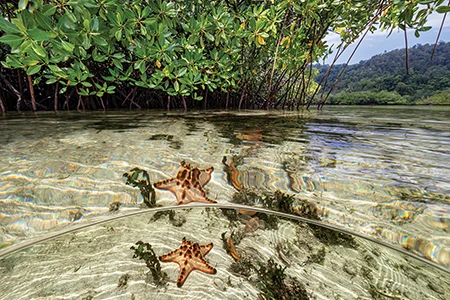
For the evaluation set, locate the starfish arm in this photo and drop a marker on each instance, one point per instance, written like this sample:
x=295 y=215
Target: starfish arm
x=204 y=249
x=194 y=194
x=205 y=176
x=184 y=274
x=203 y=266
x=172 y=256
x=168 y=184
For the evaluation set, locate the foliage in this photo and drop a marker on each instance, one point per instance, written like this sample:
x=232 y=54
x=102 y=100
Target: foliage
x=318 y=257
x=383 y=78
x=279 y=201
x=275 y=284
x=260 y=51
x=332 y=237
x=367 y=98
x=151 y=260
x=139 y=178
x=442 y=98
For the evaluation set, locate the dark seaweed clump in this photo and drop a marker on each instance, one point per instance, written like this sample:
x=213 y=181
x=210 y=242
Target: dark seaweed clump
x=247 y=197
x=151 y=260
x=230 y=214
x=279 y=201
x=333 y=237
x=273 y=282
x=175 y=220
x=318 y=257
x=139 y=178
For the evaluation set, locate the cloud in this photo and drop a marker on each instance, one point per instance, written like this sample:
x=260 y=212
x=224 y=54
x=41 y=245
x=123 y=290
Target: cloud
x=434 y=20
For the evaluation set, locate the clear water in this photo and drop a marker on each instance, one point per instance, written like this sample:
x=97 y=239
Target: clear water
x=97 y=262
x=382 y=172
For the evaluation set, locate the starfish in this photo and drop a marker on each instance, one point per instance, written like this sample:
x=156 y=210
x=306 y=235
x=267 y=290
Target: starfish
x=187 y=186
x=189 y=257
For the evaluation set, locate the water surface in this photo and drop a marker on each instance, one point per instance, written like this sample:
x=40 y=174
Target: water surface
x=383 y=172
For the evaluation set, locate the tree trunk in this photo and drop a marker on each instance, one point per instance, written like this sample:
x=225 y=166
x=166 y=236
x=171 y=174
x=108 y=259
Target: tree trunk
x=242 y=96
x=55 y=106
x=10 y=86
x=228 y=98
x=80 y=101
x=205 y=101
x=33 y=99
x=67 y=100
x=19 y=80
x=103 y=104
x=2 y=106
x=184 y=103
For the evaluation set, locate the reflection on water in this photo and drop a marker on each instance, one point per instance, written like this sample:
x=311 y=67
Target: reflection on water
x=235 y=259
x=381 y=172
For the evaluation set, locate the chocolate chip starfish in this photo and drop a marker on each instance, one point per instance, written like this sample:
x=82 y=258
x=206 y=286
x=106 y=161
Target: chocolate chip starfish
x=188 y=184
x=190 y=257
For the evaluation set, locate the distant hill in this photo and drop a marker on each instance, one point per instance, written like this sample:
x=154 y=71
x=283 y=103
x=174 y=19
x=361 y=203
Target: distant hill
x=387 y=73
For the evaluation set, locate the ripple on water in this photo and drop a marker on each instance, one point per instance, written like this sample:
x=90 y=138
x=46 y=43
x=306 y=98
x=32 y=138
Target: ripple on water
x=363 y=168
x=97 y=261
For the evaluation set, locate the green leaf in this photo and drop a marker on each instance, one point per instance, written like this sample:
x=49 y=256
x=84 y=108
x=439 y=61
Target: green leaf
x=86 y=42
x=176 y=86
x=443 y=9
x=97 y=56
x=86 y=24
x=95 y=24
x=118 y=34
x=13 y=61
x=110 y=89
x=67 y=46
x=40 y=35
x=30 y=61
x=100 y=41
x=23 y=4
x=83 y=92
x=19 y=25
x=48 y=10
x=66 y=22
x=140 y=64
x=39 y=50
x=182 y=72
x=8 y=27
x=13 y=40
x=86 y=84
x=43 y=20
x=209 y=36
x=425 y=28
x=33 y=69
x=51 y=80
x=26 y=45
x=118 y=64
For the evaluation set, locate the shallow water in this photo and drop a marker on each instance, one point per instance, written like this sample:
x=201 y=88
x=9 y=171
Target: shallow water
x=383 y=172
x=316 y=263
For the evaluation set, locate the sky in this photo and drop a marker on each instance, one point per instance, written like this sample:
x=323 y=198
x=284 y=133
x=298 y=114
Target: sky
x=379 y=42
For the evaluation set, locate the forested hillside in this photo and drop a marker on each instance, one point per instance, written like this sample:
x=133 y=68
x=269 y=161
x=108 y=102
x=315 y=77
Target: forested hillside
x=383 y=79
